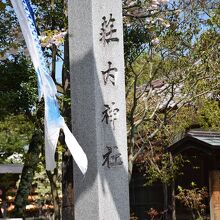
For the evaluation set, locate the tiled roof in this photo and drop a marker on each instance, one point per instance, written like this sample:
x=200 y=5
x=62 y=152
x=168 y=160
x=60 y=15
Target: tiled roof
x=204 y=141
x=209 y=137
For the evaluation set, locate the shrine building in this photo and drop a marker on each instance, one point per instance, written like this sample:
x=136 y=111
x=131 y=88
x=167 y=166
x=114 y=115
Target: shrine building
x=202 y=150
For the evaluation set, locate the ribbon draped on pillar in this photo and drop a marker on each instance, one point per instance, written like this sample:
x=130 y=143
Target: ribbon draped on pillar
x=53 y=121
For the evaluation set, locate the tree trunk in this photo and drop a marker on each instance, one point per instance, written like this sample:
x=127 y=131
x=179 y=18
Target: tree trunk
x=130 y=168
x=67 y=187
x=31 y=161
x=67 y=159
x=165 y=202
x=173 y=199
x=53 y=184
x=173 y=202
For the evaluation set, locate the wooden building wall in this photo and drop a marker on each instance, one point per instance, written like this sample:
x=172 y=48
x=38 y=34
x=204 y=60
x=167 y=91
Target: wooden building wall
x=143 y=197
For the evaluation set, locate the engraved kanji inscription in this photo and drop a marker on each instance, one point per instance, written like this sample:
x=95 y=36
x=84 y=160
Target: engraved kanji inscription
x=112 y=157
x=108 y=30
x=109 y=74
x=110 y=114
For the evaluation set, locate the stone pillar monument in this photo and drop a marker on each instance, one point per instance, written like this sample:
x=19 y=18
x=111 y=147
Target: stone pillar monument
x=98 y=108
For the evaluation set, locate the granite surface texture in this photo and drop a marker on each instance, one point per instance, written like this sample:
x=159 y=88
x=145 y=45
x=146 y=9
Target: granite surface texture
x=98 y=108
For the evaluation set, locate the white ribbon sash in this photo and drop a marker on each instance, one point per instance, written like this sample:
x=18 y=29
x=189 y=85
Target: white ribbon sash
x=53 y=121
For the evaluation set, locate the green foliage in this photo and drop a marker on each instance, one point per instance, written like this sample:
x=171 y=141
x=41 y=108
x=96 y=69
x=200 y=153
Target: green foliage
x=15 y=133
x=20 y=114
x=172 y=69
x=11 y=42
x=54 y=15
x=177 y=45
x=18 y=92
x=209 y=115
x=17 y=99
x=204 y=115
x=43 y=185
x=2 y=6
x=42 y=182
x=165 y=170
x=193 y=199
